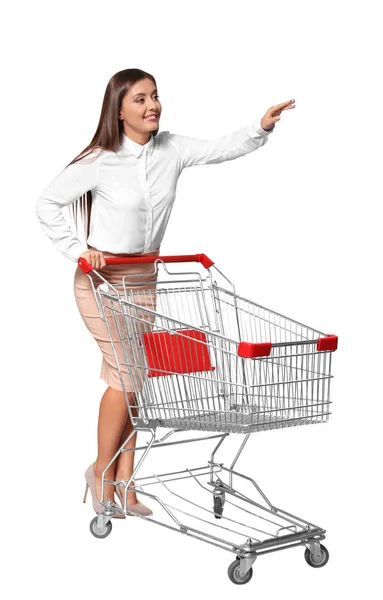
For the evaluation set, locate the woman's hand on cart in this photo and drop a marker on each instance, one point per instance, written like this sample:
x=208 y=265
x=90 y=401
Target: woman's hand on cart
x=95 y=258
x=273 y=114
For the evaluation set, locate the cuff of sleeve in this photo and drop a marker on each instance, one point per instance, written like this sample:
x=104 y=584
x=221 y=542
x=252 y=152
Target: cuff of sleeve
x=80 y=251
x=75 y=252
x=259 y=129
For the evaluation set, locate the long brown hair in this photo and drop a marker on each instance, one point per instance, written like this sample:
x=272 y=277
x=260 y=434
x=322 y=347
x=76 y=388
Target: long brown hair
x=108 y=136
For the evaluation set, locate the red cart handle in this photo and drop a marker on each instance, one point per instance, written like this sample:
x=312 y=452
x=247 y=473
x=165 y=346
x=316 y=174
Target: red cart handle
x=116 y=260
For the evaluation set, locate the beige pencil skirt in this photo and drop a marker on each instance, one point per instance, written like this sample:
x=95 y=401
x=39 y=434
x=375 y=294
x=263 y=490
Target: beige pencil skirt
x=87 y=307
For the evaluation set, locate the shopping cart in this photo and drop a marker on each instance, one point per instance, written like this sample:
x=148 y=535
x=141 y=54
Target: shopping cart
x=209 y=360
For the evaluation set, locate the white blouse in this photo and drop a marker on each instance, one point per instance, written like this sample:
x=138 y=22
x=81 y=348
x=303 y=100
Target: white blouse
x=133 y=190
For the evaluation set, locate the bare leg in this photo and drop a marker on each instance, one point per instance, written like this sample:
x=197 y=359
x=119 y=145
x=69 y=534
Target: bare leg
x=125 y=461
x=112 y=417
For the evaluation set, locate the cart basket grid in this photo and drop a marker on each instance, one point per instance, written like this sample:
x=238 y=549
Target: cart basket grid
x=201 y=357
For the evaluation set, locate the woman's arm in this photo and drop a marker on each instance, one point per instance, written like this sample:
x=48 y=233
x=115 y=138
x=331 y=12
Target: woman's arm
x=194 y=152
x=70 y=184
x=204 y=152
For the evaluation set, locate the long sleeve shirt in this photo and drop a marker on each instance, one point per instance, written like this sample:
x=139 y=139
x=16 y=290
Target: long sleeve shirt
x=133 y=189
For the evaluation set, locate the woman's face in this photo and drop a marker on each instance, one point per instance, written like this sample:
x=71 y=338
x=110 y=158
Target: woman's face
x=141 y=101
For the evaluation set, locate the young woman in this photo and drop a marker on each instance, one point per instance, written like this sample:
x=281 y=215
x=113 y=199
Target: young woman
x=122 y=188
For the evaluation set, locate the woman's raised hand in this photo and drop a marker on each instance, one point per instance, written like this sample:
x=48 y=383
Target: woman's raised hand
x=95 y=258
x=273 y=114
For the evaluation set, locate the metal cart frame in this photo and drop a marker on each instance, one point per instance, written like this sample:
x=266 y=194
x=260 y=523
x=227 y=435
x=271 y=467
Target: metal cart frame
x=210 y=360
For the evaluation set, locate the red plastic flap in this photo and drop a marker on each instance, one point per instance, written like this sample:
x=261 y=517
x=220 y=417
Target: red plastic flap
x=180 y=352
x=330 y=342
x=248 y=350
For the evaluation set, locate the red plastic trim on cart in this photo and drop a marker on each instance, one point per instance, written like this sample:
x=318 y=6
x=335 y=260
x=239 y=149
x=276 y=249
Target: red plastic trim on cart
x=330 y=342
x=84 y=266
x=248 y=350
x=124 y=260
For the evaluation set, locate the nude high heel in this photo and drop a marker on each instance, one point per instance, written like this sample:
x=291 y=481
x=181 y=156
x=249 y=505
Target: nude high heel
x=90 y=480
x=139 y=508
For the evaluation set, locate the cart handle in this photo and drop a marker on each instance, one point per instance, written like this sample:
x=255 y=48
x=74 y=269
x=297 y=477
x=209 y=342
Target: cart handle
x=123 y=260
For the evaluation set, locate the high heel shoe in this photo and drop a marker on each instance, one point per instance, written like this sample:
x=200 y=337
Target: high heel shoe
x=138 y=508
x=91 y=483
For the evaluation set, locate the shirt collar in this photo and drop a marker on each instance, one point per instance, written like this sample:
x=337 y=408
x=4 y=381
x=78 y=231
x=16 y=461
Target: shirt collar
x=135 y=148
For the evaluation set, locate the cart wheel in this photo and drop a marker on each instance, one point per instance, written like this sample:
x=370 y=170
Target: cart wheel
x=325 y=555
x=234 y=575
x=102 y=532
x=218 y=506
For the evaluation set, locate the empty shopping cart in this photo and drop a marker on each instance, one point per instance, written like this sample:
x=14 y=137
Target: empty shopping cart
x=209 y=360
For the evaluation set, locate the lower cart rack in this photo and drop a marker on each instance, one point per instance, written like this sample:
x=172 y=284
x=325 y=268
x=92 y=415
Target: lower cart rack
x=203 y=503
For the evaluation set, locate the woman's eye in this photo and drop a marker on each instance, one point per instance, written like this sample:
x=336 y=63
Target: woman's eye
x=139 y=100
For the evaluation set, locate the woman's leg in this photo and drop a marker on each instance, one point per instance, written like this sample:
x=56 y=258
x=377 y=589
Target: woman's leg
x=125 y=461
x=112 y=417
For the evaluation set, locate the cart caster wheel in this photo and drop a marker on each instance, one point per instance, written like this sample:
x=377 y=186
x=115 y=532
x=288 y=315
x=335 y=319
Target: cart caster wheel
x=100 y=533
x=218 y=506
x=309 y=558
x=234 y=575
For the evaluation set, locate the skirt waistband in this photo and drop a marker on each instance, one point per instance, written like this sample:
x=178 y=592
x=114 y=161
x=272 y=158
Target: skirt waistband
x=155 y=252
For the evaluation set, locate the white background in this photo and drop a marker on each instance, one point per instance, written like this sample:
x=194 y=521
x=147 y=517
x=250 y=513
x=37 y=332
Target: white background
x=296 y=225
